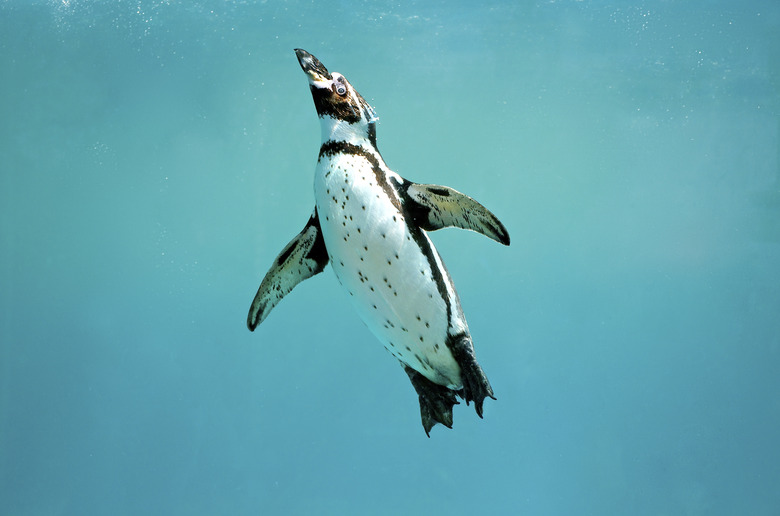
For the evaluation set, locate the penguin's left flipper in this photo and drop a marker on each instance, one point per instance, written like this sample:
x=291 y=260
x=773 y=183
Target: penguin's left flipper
x=301 y=259
x=434 y=207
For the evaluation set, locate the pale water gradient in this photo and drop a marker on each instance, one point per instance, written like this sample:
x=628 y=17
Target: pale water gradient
x=156 y=155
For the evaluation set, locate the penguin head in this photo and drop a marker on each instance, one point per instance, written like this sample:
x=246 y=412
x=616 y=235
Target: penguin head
x=343 y=111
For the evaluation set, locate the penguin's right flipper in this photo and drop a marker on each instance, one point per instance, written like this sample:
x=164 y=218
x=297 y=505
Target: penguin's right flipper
x=436 y=401
x=434 y=207
x=301 y=259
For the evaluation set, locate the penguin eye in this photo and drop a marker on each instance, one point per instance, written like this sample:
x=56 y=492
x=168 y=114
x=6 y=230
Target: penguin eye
x=340 y=89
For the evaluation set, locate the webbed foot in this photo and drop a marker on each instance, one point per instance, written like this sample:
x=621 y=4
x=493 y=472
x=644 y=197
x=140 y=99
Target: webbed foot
x=436 y=401
x=476 y=386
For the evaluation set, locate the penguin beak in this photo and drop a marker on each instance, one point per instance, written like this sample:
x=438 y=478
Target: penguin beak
x=312 y=66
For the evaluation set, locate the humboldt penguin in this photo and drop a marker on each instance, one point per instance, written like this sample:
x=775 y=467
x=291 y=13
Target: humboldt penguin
x=372 y=226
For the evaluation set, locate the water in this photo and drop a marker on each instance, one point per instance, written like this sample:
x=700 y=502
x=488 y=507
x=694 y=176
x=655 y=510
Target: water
x=156 y=156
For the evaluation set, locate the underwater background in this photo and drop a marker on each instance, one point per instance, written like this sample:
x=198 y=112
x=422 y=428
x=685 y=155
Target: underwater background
x=157 y=155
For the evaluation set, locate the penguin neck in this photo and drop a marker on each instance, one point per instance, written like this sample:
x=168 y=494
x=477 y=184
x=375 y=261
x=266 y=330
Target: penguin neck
x=361 y=133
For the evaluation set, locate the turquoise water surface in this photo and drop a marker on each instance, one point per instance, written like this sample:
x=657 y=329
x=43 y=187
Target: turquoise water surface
x=156 y=156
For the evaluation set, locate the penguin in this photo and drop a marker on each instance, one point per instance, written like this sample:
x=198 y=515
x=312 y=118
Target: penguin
x=371 y=225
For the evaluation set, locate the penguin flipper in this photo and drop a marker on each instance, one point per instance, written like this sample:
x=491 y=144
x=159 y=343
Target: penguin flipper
x=301 y=259
x=435 y=207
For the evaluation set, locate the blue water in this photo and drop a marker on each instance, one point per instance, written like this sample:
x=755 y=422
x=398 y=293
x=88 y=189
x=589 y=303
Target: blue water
x=157 y=155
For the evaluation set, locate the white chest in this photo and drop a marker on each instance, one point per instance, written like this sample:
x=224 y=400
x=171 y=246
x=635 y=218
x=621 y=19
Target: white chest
x=383 y=265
